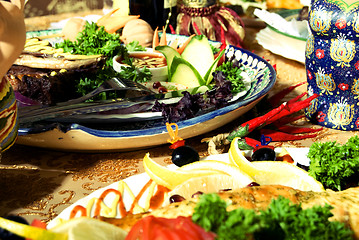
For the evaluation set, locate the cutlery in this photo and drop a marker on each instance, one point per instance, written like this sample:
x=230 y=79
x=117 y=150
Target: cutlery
x=125 y=86
x=136 y=104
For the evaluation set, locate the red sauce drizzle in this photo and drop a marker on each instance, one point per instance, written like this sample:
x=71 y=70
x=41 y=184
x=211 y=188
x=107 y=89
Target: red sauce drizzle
x=77 y=209
x=138 y=197
x=121 y=206
x=158 y=198
x=155 y=201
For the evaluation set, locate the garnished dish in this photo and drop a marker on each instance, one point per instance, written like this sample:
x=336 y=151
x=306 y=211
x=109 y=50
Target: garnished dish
x=224 y=86
x=226 y=196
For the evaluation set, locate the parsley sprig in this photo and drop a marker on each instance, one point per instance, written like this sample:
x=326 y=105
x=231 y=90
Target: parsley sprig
x=335 y=165
x=282 y=220
x=94 y=40
x=232 y=72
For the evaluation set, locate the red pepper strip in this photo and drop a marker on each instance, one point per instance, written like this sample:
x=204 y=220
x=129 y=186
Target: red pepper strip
x=294 y=130
x=286 y=120
x=292 y=107
x=223 y=39
x=252 y=142
x=280 y=136
x=197 y=28
x=172 y=29
x=223 y=46
x=276 y=98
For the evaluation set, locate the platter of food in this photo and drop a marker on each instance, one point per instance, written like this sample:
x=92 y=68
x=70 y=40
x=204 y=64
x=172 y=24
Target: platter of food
x=128 y=201
x=132 y=186
x=253 y=188
x=148 y=129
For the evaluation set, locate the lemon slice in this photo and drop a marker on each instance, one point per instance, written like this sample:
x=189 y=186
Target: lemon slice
x=286 y=174
x=242 y=177
x=273 y=172
x=171 y=178
x=84 y=228
x=206 y=184
x=31 y=232
x=236 y=157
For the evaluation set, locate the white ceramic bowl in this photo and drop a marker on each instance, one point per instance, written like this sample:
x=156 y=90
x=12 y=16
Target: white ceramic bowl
x=281 y=43
x=158 y=73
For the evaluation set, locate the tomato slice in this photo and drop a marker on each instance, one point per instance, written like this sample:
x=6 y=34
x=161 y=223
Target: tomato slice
x=157 y=228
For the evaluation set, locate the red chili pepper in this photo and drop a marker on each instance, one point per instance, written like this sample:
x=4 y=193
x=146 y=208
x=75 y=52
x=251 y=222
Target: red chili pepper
x=252 y=142
x=293 y=107
x=294 y=130
x=275 y=99
x=297 y=98
x=286 y=120
x=280 y=136
x=196 y=28
x=260 y=121
x=283 y=110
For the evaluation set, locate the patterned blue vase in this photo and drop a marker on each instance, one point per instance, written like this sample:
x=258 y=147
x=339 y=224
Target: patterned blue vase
x=332 y=64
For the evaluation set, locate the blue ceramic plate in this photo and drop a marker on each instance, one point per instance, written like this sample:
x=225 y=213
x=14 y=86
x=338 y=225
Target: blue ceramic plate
x=124 y=137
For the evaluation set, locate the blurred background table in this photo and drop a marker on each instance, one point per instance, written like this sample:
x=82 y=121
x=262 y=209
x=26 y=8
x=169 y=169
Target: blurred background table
x=40 y=183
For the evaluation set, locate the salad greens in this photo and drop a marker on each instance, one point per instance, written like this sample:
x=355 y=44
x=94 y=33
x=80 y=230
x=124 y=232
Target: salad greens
x=336 y=166
x=282 y=220
x=94 y=40
x=232 y=71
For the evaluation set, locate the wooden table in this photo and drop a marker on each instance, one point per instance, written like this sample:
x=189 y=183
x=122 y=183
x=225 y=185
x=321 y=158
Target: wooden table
x=40 y=183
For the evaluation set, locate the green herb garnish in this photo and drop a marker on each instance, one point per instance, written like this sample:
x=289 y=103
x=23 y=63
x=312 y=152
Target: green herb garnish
x=232 y=74
x=282 y=220
x=335 y=165
x=94 y=40
x=135 y=46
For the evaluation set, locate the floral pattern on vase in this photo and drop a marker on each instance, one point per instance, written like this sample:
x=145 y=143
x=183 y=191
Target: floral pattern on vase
x=332 y=64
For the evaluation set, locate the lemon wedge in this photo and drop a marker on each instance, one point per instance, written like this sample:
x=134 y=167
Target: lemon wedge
x=229 y=169
x=31 y=232
x=171 y=178
x=273 y=172
x=206 y=184
x=237 y=158
x=84 y=228
x=286 y=174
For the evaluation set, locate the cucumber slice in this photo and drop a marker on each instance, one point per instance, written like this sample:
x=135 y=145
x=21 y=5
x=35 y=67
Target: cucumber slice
x=184 y=73
x=169 y=54
x=198 y=52
x=208 y=77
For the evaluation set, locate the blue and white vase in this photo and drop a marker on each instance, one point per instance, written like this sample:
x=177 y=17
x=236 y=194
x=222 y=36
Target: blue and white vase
x=332 y=64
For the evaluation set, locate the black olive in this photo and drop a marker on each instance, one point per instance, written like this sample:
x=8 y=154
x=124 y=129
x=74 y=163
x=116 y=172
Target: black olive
x=184 y=155
x=253 y=184
x=176 y=198
x=6 y=235
x=264 y=154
